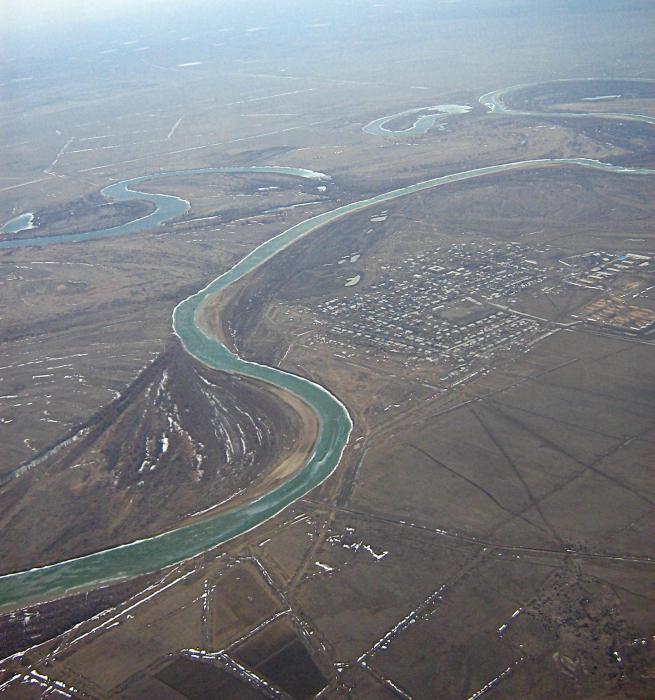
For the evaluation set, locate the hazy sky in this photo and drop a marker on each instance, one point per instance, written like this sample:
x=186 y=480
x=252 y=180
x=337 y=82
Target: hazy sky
x=44 y=12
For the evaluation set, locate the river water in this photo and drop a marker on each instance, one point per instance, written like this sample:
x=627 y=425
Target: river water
x=151 y=554
x=423 y=123
x=168 y=206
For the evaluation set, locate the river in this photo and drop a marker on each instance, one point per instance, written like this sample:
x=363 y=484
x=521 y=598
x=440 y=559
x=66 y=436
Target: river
x=335 y=425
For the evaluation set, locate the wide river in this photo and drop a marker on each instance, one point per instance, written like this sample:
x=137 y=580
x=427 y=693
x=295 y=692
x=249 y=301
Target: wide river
x=153 y=553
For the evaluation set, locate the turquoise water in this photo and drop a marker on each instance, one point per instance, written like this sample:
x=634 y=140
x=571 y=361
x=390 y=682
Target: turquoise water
x=22 y=222
x=153 y=553
x=168 y=206
x=494 y=102
x=335 y=424
x=423 y=123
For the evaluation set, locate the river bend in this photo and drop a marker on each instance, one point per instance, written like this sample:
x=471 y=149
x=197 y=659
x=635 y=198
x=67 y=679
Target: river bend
x=335 y=425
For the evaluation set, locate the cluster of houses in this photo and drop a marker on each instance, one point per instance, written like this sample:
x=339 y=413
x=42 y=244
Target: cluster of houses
x=600 y=269
x=432 y=307
x=619 y=316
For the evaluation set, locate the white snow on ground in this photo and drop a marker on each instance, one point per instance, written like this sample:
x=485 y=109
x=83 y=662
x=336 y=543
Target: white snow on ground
x=324 y=567
x=356 y=546
x=502 y=630
x=493 y=682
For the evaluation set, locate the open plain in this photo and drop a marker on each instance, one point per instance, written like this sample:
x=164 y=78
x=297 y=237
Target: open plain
x=488 y=531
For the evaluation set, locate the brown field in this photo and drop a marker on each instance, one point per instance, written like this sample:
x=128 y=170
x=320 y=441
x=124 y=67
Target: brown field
x=488 y=532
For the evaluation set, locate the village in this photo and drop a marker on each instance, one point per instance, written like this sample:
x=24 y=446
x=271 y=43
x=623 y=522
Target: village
x=438 y=307
x=455 y=306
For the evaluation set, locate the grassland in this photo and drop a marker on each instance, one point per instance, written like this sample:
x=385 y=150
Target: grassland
x=491 y=537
